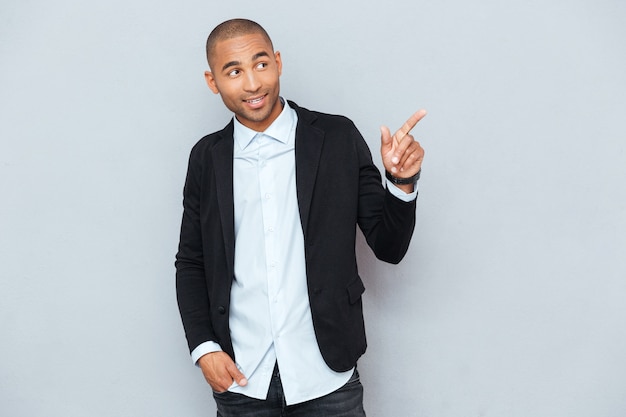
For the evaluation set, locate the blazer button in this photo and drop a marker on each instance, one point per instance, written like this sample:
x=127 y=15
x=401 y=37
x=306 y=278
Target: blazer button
x=221 y=310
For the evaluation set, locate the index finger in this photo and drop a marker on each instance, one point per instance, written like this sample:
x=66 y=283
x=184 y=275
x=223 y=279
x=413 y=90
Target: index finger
x=408 y=125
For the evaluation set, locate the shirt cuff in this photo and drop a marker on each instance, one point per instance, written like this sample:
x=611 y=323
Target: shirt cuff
x=398 y=193
x=202 y=349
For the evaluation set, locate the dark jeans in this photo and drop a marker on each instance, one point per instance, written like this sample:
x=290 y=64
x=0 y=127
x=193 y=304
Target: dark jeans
x=347 y=401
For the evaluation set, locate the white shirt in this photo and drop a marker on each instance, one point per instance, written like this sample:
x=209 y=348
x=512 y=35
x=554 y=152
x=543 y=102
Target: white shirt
x=270 y=315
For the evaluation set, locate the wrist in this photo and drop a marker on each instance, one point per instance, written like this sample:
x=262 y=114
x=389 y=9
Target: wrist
x=402 y=182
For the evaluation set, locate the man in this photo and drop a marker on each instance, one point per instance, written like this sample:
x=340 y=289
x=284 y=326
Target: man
x=267 y=281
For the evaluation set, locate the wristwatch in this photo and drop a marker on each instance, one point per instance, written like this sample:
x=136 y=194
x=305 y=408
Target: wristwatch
x=403 y=181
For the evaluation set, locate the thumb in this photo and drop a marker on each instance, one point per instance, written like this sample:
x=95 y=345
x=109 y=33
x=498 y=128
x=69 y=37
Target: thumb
x=236 y=374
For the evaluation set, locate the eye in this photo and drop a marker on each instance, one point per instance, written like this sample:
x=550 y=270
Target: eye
x=261 y=65
x=233 y=73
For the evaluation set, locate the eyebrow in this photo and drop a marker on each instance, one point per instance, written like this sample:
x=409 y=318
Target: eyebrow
x=254 y=58
x=259 y=55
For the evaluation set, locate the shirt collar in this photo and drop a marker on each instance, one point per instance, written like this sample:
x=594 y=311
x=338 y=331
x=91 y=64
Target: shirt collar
x=279 y=129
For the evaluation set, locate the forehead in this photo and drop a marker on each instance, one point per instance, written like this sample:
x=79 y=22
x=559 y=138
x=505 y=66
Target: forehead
x=241 y=48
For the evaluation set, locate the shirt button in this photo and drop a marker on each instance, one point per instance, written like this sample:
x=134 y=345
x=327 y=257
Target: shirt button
x=270 y=229
x=268 y=196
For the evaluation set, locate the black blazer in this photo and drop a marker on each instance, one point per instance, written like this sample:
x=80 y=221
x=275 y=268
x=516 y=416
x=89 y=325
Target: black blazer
x=338 y=187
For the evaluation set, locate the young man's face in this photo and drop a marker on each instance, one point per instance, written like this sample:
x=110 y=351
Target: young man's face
x=245 y=71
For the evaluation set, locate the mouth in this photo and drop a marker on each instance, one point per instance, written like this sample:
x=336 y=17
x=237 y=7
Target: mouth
x=255 y=100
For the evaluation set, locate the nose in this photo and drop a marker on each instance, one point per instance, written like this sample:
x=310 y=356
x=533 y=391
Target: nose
x=252 y=83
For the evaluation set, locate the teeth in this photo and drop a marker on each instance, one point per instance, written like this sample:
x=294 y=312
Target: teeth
x=256 y=100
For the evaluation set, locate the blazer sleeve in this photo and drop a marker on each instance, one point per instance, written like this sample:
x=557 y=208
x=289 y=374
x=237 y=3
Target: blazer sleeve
x=191 y=284
x=386 y=221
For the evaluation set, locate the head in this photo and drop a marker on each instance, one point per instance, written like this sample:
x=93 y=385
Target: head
x=245 y=71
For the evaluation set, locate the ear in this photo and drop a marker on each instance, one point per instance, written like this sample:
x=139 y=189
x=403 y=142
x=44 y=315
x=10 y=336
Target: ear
x=210 y=81
x=279 y=62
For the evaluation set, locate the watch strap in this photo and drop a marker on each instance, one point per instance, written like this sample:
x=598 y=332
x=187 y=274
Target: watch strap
x=403 y=181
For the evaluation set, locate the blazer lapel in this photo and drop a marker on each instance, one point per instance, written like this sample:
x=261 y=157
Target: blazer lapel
x=309 y=141
x=223 y=164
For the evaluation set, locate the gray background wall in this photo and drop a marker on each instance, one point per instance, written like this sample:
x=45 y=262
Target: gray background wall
x=512 y=299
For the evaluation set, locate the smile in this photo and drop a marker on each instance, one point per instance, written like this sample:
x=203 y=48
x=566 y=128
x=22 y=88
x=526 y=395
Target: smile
x=255 y=100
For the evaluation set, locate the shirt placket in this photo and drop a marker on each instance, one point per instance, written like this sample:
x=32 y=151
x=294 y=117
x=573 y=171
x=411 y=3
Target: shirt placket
x=270 y=206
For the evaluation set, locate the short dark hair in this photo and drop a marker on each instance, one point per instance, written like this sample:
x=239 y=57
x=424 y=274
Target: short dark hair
x=231 y=29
